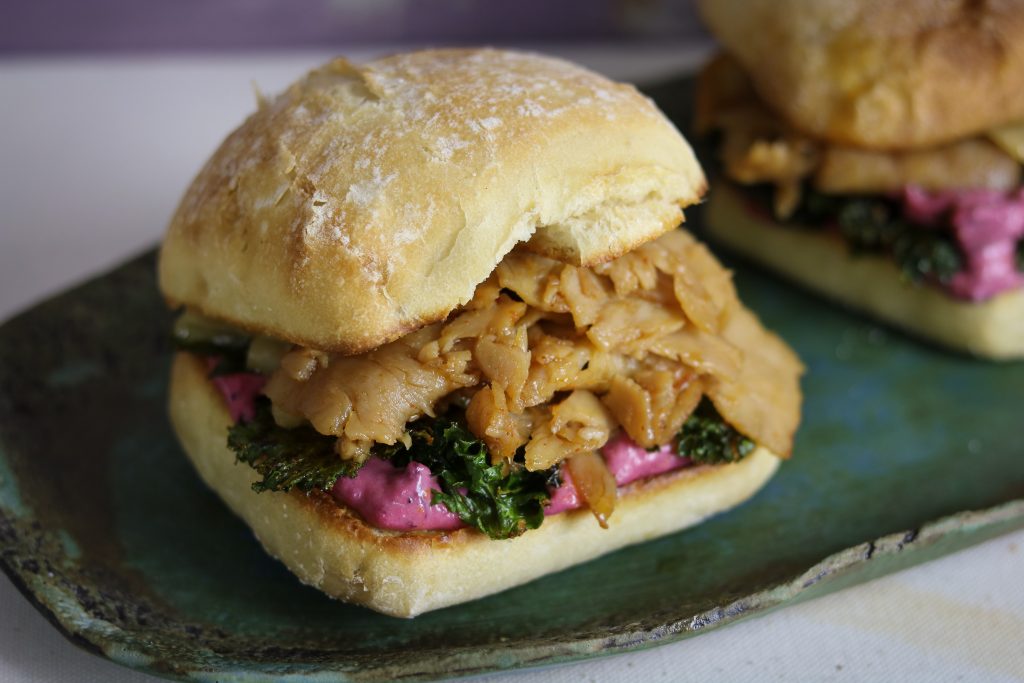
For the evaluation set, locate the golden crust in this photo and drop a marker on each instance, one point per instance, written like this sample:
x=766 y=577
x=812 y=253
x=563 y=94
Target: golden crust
x=991 y=329
x=880 y=74
x=367 y=201
x=404 y=574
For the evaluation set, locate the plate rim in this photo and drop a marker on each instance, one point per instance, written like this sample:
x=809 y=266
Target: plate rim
x=851 y=565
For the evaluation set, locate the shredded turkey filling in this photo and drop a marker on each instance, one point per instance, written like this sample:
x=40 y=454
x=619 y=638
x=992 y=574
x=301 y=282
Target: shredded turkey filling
x=758 y=146
x=554 y=359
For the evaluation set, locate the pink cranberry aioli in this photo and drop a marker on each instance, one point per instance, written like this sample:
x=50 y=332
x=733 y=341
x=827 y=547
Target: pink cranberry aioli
x=563 y=498
x=239 y=390
x=398 y=498
x=987 y=224
x=627 y=462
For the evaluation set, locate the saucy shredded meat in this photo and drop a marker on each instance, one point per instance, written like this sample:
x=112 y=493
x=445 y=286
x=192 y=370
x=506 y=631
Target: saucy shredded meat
x=556 y=358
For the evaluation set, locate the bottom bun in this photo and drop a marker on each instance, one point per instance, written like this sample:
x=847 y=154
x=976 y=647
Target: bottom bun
x=407 y=573
x=874 y=284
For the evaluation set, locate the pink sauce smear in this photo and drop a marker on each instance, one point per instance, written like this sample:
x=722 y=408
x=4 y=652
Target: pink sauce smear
x=239 y=390
x=987 y=224
x=398 y=498
x=563 y=498
x=627 y=462
x=390 y=497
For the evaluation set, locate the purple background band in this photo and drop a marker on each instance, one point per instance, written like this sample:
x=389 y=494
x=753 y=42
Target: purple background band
x=40 y=26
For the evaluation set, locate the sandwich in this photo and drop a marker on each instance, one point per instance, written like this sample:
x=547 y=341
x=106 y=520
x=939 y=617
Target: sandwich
x=441 y=334
x=872 y=151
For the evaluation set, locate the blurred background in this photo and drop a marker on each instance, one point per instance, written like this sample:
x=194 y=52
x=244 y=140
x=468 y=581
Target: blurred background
x=32 y=27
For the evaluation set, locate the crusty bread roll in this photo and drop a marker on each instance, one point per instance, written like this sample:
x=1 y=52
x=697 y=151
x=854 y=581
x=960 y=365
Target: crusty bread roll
x=406 y=573
x=876 y=73
x=367 y=201
x=823 y=262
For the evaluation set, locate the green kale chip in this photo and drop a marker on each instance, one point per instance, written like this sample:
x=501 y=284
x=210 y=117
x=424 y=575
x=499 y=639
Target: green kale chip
x=867 y=224
x=922 y=254
x=230 y=360
x=501 y=500
x=299 y=458
x=707 y=439
x=230 y=352
x=204 y=337
x=874 y=225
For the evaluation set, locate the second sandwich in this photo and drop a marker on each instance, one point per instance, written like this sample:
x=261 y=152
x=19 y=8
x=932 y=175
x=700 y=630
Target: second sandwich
x=873 y=152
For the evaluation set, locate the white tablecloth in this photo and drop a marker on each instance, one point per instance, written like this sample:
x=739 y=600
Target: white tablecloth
x=95 y=153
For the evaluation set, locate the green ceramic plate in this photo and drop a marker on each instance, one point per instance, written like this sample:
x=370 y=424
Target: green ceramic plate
x=106 y=529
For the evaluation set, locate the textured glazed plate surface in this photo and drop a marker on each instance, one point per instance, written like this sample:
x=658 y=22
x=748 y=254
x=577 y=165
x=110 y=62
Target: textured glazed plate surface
x=905 y=453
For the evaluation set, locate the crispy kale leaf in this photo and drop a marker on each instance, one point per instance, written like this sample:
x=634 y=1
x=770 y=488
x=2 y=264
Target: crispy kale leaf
x=230 y=360
x=705 y=438
x=230 y=352
x=204 y=337
x=500 y=500
x=874 y=225
x=287 y=458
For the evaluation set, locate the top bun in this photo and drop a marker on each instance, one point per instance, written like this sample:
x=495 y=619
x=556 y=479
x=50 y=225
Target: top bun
x=878 y=73
x=369 y=200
